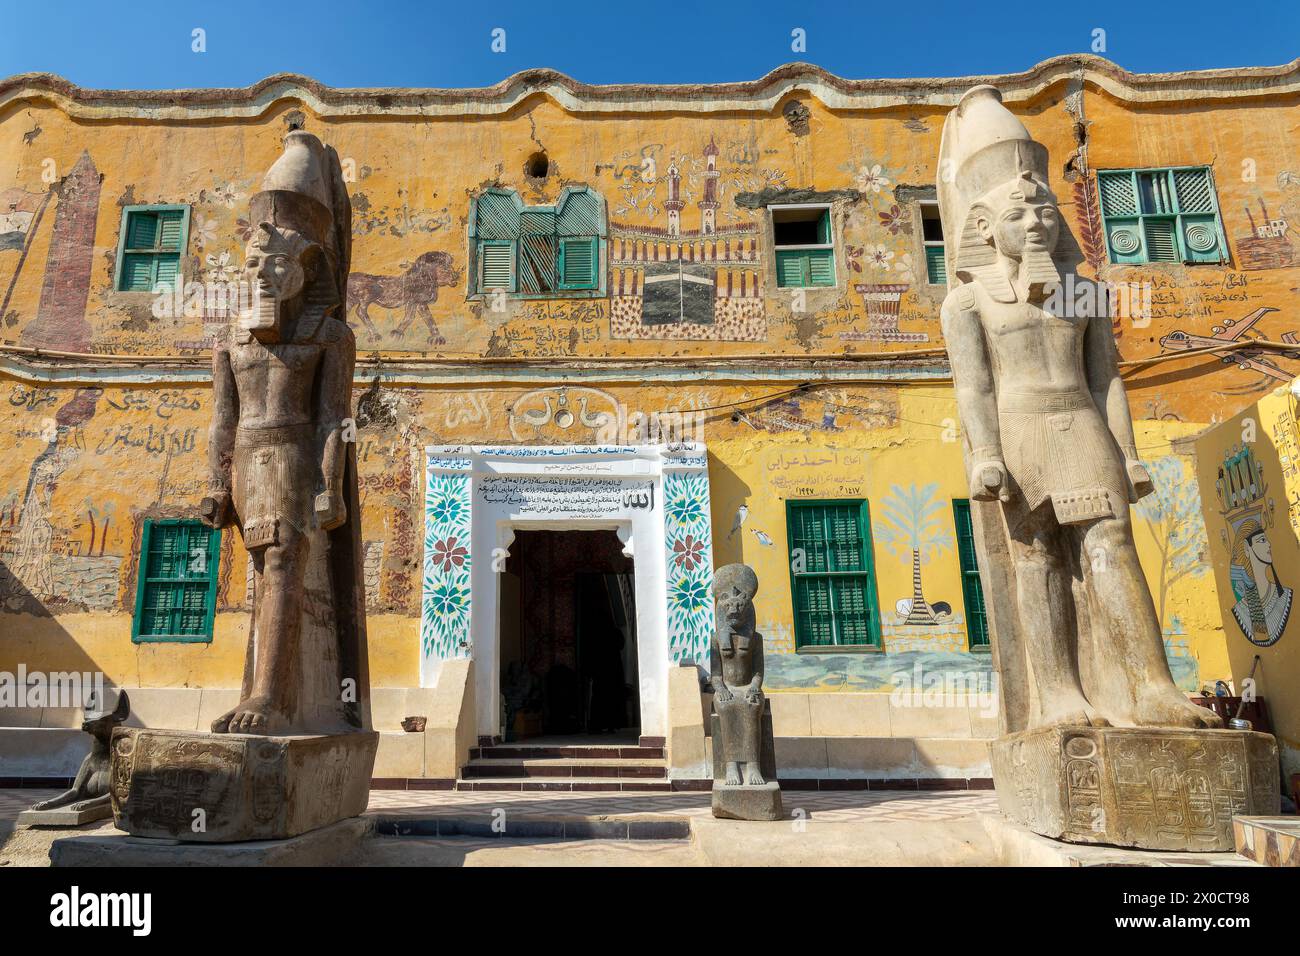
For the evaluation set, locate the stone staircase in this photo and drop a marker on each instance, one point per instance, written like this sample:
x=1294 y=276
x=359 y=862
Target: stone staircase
x=617 y=765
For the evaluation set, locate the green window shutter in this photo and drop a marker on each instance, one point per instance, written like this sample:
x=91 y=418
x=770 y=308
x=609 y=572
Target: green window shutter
x=1118 y=194
x=171 y=229
x=496 y=216
x=1200 y=238
x=936 y=271
x=166 y=271
x=977 y=626
x=1194 y=191
x=136 y=274
x=832 y=580
x=141 y=230
x=496 y=261
x=150 y=247
x=791 y=269
x=1160 y=242
x=821 y=267
x=824 y=228
x=578 y=263
x=1161 y=215
x=177 y=588
x=814 y=617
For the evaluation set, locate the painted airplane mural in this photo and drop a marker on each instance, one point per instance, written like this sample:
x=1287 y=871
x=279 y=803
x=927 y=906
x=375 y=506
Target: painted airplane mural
x=1232 y=330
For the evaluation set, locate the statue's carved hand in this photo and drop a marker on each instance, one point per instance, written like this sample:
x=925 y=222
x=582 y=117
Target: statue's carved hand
x=722 y=694
x=753 y=696
x=214 y=510
x=989 y=482
x=1139 y=480
x=330 y=510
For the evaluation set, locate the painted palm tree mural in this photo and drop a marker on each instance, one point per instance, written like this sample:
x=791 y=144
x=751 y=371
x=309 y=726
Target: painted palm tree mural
x=914 y=528
x=1173 y=515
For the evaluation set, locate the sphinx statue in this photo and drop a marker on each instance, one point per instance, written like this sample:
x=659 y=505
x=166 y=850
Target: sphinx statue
x=88 y=799
x=744 y=784
x=1052 y=467
x=296 y=752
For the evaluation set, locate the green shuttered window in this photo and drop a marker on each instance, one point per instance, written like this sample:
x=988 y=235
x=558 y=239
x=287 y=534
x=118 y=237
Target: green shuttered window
x=977 y=622
x=1161 y=215
x=832 y=579
x=936 y=272
x=805 y=252
x=935 y=269
x=538 y=250
x=176 y=595
x=150 y=247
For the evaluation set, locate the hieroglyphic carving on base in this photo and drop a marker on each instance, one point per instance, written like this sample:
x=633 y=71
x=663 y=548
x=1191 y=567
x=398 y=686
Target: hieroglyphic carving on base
x=247 y=787
x=1158 y=789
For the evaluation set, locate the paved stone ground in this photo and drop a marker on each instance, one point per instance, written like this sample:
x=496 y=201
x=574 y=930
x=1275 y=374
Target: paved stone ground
x=849 y=806
x=848 y=828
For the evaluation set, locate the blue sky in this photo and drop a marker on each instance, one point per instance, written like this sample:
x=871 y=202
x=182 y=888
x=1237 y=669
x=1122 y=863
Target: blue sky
x=147 y=44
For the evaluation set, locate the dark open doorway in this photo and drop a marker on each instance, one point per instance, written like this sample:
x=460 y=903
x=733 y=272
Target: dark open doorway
x=568 y=637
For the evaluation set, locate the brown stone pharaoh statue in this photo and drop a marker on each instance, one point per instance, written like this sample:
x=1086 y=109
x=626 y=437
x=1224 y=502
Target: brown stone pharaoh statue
x=1100 y=742
x=280 y=462
x=296 y=753
x=744 y=784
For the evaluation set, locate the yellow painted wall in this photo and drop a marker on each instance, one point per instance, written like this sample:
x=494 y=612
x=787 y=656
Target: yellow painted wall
x=86 y=450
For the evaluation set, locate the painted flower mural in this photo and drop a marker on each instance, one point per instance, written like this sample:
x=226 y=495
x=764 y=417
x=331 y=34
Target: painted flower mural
x=688 y=552
x=446 y=606
x=870 y=179
x=690 y=571
x=448 y=555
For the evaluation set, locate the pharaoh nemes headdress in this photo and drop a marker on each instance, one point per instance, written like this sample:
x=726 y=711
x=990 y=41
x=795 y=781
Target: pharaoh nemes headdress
x=985 y=156
x=304 y=192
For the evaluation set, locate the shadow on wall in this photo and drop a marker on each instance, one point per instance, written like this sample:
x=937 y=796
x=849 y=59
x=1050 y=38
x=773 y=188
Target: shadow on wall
x=31 y=635
x=727 y=493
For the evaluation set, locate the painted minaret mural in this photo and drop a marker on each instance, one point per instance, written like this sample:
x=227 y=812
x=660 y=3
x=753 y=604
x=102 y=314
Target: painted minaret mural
x=709 y=204
x=674 y=202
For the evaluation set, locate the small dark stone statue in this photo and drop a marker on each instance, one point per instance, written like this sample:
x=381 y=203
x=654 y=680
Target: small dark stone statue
x=744 y=758
x=88 y=800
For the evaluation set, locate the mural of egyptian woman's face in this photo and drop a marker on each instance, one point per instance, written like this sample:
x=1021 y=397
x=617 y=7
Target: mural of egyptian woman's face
x=1258 y=546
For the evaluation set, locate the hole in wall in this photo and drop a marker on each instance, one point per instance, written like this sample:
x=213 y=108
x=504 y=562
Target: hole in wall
x=537 y=166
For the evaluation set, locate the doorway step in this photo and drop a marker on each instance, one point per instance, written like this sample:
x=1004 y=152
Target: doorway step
x=548 y=765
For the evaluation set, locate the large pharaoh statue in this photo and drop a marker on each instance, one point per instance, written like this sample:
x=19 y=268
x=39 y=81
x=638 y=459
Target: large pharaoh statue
x=282 y=465
x=1048 y=442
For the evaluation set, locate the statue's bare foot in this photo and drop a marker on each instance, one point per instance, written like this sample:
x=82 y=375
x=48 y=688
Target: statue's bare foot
x=733 y=775
x=753 y=776
x=252 y=716
x=1078 y=714
x=1167 y=706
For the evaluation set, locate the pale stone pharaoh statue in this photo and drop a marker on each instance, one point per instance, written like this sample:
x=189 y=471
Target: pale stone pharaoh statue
x=282 y=466
x=736 y=673
x=1049 y=440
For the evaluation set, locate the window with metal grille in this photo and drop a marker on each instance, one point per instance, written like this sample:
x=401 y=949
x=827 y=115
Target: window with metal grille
x=150 y=247
x=176 y=595
x=538 y=251
x=1161 y=215
x=805 y=251
x=832 y=578
x=977 y=622
x=936 y=272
